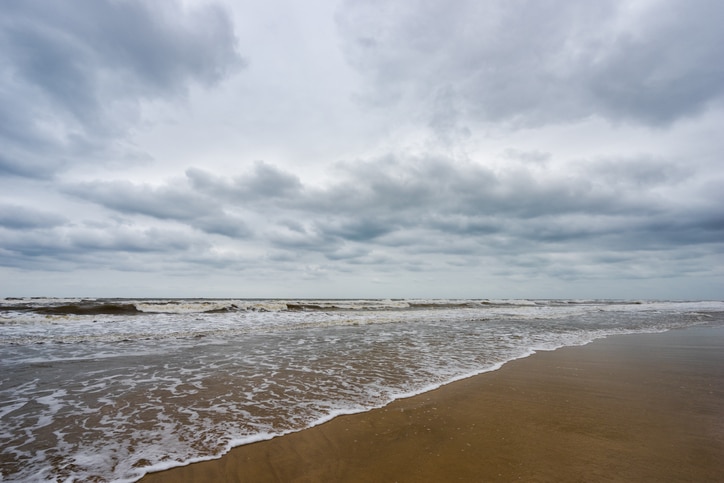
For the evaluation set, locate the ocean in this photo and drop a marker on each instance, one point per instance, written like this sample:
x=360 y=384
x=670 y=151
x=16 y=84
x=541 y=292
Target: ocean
x=110 y=389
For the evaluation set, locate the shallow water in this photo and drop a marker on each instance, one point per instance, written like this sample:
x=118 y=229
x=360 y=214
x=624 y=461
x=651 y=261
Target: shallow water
x=110 y=389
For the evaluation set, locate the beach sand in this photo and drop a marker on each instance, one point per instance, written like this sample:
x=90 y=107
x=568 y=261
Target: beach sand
x=634 y=408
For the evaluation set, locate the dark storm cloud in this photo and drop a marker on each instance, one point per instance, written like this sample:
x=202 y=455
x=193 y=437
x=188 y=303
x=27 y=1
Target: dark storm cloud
x=535 y=62
x=72 y=73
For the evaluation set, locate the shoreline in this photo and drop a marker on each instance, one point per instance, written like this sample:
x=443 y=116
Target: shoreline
x=637 y=407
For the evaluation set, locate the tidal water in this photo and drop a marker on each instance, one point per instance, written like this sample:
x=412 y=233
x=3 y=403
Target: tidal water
x=109 y=389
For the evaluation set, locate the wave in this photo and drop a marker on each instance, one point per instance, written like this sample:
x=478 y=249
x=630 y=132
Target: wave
x=200 y=306
x=132 y=307
x=75 y=308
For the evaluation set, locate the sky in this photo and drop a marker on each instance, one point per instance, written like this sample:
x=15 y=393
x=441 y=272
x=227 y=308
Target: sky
x=381 y=149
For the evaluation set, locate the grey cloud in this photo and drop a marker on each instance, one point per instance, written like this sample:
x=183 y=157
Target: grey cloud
x=164 y=202
x=665 y=70
x=356 y=254
x=531 y=157
x=20 y=218
x=419 y=186
x=392 y=187
x=638 y=171
x=514 y=212
x=469 y=225
x=363 y=229
x=223 y=224
x=413 y=202
x=536 y=62
x=434 y=205
x=268 y=181
x=409 y=213
x=264 y=182
x=73 y=247
x=126 y=239
x=684 y=228
x=73 y=73
x=308 y=240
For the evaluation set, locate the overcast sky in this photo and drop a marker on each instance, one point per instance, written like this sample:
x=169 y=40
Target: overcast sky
x=391 y=148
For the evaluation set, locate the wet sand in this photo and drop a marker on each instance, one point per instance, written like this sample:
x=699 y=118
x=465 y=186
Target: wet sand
x=635 y=408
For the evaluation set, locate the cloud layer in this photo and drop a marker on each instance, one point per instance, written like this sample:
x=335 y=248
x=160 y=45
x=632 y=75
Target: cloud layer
x=495 y=149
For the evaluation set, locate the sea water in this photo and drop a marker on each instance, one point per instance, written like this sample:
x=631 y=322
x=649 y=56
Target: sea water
x=110 y=389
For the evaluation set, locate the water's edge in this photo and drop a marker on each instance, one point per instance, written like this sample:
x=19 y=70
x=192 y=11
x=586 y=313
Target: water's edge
x=265 y=437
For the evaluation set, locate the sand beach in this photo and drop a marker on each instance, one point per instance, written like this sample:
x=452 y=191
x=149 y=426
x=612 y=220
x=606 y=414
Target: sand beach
x=643 y=407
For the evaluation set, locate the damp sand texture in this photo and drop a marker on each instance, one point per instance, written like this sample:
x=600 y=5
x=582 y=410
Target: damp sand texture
x=643 y=407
